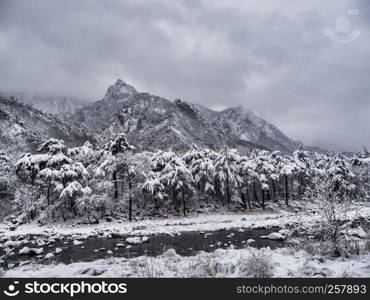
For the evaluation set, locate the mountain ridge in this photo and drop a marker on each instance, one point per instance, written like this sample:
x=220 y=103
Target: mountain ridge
x=183 y=122
x=150 y=122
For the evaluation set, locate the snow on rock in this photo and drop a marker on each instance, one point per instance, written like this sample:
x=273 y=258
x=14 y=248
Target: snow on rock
x=27 y=251
x=49 y=256
x=120 y=245
x=137 y=240
x=284 y=232
x=170 y=253
x=134 y=240
x=77 y=243
x=58 y=250
x=11 y=244
x=109 y=252
x=250 y=241
x=274 y=236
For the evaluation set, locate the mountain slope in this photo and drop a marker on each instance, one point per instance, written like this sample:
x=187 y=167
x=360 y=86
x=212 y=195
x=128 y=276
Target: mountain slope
x=243 y=124
x=152 y=122
x=23 y=128
x=48 y=103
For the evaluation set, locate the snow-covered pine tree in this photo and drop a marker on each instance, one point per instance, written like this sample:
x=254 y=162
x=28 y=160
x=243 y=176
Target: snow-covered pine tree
x=274 y=174
x=264 y=169
x=341 y=176
x=201 y=164
x=4 y=172
x=114 y=162
x=154 y=187
x=178 y=179
x=288 y=170
x=361 y=168
x=304 y=163
x=226 y=172
x=247 y=174
x=62 y=178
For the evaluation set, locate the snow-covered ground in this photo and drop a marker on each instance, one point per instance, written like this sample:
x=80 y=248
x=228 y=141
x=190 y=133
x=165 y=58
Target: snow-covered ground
x=248 y=262
x=173 y=225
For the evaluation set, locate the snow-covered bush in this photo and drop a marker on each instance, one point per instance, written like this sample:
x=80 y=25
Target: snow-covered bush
x=257 y=265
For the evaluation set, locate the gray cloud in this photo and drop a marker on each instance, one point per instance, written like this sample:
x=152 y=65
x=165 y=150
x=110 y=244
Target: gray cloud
x=269 y=56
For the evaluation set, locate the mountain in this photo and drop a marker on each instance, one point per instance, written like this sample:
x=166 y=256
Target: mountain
x=244 y=125
x=152 y=122
x=23 y=128
x=48 y=103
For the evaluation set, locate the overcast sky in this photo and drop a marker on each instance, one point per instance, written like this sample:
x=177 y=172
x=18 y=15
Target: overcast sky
x=271 y=56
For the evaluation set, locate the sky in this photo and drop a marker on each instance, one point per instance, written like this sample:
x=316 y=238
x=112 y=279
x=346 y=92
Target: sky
x=302 y=65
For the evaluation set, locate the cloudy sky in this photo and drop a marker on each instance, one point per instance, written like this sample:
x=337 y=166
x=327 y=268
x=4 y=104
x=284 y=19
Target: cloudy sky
x=271 y=56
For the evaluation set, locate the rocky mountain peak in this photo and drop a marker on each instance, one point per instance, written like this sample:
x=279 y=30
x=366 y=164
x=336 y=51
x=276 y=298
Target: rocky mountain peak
x=119 y=90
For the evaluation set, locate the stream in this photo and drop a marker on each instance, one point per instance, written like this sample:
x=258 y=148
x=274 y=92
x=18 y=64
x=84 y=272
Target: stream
x=93 y=248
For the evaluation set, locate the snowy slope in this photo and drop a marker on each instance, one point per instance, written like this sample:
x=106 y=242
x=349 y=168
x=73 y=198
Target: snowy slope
x=245 y=125
x=22 y=128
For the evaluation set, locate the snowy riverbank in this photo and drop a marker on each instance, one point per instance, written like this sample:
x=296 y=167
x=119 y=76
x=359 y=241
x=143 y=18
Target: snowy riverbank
x=248 y=262
x=292 y=260
x=212 y=222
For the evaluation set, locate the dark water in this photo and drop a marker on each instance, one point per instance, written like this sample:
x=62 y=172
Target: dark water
x=186 y=244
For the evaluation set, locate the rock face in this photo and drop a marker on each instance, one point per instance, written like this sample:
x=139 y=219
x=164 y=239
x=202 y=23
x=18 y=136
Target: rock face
x=23 y=128
x=150 y=123
x=153 y=122
x=244 y=125
x=119 y=90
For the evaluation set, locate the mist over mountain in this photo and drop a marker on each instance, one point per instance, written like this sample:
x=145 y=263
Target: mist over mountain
x=53 y=104
x=153 y=122
x=150 y=122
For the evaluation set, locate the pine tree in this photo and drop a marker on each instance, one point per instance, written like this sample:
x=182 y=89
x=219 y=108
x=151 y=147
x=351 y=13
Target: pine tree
x=154 y=187
x=63 y=178
x=226 y=166
x=201 y=164
x=341 y=176
x=304 y=165
x=4 y=172
x=178 y=179
x=288 y=170
x=114 y=160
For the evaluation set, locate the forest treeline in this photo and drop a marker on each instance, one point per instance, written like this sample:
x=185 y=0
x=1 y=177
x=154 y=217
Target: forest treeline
x=61 y=183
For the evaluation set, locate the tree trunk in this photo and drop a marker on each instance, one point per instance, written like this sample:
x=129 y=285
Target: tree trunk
x=130 y=209
x=274 y=190
x=248 y=199
x=145 y=200
x=48 y=195
x=263 y=199
x=183 y=201
x=299 y=187
x=255 y=193
x=286 y=190
x=114 y=178
x=228 y=195
x=130 y=200
x=242 y=197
